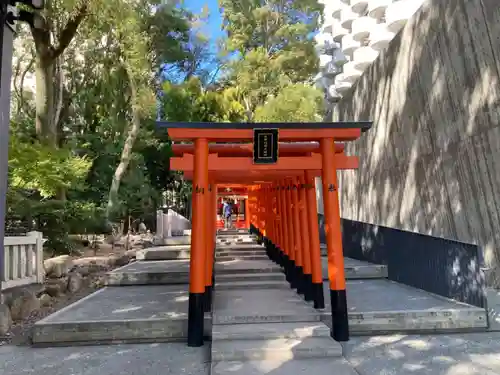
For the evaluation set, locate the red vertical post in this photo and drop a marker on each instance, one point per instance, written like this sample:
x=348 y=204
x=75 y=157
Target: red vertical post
x=274 y=221
x=291 y=238
x=286 y=233
x=211 y=234
x=196 y=312
x=340 y=324
x=297 y=238
x=280 y=219
x=316 y=266
x=304 y=234
x=247 y=212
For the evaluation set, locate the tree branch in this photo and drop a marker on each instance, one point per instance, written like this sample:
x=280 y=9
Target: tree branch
x=21 y=83
x=69 y=31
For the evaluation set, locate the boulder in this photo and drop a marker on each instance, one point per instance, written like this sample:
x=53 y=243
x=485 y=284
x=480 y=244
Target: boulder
x=118 y=260
x=58 y=267
x=131 y=253
x=75 y=282
x=45 y=299
x=5 y=319
x=88 y=265
x=23 y=305
x=56 y=287
x=99 y=282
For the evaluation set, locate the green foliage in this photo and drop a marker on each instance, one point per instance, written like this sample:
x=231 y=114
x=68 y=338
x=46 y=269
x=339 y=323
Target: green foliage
x=297 y=103
x=39 y=167
x=190 y=102
x=275 y=44
x=55 y=218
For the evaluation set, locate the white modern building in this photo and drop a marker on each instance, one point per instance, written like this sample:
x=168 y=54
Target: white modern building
x=353 y=34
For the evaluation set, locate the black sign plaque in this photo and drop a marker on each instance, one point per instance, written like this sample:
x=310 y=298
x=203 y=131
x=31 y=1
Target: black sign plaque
x=265 y=146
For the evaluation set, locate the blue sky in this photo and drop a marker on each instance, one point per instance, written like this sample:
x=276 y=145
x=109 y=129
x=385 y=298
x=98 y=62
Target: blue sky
x=214 y=21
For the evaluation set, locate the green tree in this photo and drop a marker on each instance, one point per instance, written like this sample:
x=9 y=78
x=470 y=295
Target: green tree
x=297 y=102
x=274 y=42
x=191 y=102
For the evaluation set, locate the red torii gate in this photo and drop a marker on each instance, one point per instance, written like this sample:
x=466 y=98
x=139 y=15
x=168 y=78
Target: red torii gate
x=286 y=201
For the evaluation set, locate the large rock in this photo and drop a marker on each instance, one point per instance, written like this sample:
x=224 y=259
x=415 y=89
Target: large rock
x=24 y=304
x=45 y=299
x=56 y=287
x=5 y=319
x=120 y=260
x=75 y=282
x=58 y=266
x=88 y=265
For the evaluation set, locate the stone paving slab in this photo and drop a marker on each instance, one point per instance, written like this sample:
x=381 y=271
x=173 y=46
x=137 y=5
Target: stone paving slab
x=385 y=306
x=277 y=349
x=131 y=359
x=269 y=331
x=317 y=366
x=240 y=246
x=238 y=252
x=239 y=266
x=150 y=272
x=261 y=305
x=458 y=354
x=177 y=271
x=251 y=284
x=172 y=252
x=241 y=257
x=251 y=276
x=131 y=314
x=183 y=251
x=177 y=240
x=356 y=269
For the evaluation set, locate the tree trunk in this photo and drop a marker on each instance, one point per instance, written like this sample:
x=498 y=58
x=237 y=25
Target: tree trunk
x=126 y=154
x=45 y=108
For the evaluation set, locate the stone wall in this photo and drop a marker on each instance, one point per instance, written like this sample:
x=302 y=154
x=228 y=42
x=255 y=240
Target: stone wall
x=431 y=163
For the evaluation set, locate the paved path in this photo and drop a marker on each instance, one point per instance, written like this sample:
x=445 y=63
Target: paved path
x=144 y=359
x=464 y=354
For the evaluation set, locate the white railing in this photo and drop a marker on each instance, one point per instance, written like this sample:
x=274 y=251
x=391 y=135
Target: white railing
x=171 y=224
x=23 y=260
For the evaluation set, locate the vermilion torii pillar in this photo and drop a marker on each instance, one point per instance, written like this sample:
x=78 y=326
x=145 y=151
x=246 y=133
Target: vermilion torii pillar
x=326 y=161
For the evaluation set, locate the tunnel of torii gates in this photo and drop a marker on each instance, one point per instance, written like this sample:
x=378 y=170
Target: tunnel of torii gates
x=281 y=204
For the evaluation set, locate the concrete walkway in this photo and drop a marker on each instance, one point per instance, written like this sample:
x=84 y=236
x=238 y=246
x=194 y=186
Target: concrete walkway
x=464 y=354
x=261 y=326
x=153 y=309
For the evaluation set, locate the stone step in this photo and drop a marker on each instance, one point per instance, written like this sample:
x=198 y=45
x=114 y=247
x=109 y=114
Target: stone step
x=240 y=246
x=172 y=252
x=241 y=257
x=232 y=231
x=254 y=318
x=317 y=366
x=276 y=349
x=236 y=239
x=269 y=331
x=219 y=270
x=251 y=276
x=230 y=252
x=251 y=284
x=235 y=242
